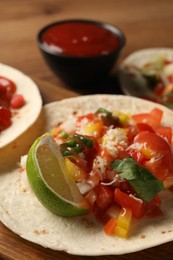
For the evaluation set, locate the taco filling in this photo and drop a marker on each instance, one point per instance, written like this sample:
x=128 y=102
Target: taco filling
x=9 y=100
x=120 y=164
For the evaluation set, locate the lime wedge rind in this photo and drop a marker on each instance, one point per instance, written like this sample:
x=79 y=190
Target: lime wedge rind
x=54 y=202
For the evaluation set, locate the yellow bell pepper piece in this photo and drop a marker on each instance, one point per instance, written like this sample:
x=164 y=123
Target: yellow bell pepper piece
x=75 y=172
x=123 y=223
x=93 y=128
x=123 y=117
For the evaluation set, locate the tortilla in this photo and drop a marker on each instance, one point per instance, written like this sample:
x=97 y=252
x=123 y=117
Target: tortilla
x=24 y=117
x=21 y=212
x=137 y=85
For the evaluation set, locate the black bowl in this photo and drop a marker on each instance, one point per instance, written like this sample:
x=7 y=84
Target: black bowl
x=81 y=71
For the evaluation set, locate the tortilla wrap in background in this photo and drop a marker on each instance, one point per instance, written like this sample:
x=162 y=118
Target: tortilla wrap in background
x=21 y=211
x=137 y=85
x=24 y=117
x=10 y=154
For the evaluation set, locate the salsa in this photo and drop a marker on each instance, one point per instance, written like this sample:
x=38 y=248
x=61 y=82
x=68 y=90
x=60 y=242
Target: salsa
x=120 y=163
x=80 y=39
x=9 y=100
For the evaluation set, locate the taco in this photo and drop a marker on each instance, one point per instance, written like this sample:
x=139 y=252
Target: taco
x=25 y=116
x=21 y=211
x=148 y=74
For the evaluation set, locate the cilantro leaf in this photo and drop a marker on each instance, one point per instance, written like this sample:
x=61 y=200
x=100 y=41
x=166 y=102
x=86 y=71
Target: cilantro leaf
x=141 y=180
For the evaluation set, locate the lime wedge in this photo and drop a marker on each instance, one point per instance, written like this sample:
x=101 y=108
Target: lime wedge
x=49 y=181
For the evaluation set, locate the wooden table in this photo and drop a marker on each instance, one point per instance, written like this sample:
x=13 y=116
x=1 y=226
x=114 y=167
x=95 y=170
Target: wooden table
x=145 y=23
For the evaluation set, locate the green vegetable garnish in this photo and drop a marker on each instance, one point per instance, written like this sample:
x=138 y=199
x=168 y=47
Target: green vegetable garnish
x=107 y=117
x=141 y=180
x=75 y=145
x=63 y=134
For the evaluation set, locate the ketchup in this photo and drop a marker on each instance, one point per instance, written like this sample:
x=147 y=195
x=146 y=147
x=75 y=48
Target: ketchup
x=8 y=100
x=79 y=39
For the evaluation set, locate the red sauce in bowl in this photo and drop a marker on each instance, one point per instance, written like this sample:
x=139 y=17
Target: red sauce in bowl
x=80 y=39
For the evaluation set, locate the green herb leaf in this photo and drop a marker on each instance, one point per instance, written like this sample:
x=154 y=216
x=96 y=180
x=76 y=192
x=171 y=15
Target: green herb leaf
x=104 y=111
x=107 y=117
x=141 y=180
x=75 y=144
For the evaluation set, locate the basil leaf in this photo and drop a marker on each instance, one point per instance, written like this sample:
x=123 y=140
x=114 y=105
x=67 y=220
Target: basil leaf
x=141 y=180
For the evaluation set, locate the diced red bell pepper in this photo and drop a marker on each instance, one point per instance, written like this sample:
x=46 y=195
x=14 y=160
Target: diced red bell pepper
x=109 y=228
x=126 y=201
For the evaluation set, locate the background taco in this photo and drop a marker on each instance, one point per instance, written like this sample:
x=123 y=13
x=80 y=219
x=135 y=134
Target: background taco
x=24 y=117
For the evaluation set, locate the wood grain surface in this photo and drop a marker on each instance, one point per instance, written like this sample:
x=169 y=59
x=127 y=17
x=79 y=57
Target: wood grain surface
x=145 y=23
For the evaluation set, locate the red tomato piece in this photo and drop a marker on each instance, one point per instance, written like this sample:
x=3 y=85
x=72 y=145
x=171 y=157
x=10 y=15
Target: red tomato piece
x=137 y=155
x=89 y=116
x=104 y=196
x=104 y=153
x=3 y=90
x=161 y=163
x=144 y=127
x=17 y=101
x=9 y=85
x=153 y=208
x=5 y=118
x=153 y=118
x=157 y=114
x=132 y=131
x=130 y=202
x=165 y=132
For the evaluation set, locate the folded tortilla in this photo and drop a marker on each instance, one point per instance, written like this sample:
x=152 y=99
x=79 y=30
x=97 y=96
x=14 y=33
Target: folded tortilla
x=21 y=211
x=137 y=85
x=24 y=117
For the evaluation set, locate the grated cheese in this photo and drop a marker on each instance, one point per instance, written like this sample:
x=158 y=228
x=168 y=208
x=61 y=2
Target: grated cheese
x=114 y=140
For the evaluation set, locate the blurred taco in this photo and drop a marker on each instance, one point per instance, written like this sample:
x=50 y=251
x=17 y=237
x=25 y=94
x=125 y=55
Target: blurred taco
x=22 y=115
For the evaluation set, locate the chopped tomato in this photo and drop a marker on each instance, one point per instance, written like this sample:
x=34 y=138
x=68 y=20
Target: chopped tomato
x=104 y=153
x=153 y=118
x=9 y=85
x=89 y=116
x=132 y=131
x=165 y=132
x=104 y=196
x=91 y=198
x=160 y=163
x=136 y=155
x=127 y=201
x=17 y=101
x=153 y=208
x=144 y=127
x=5 y=118
x=157 y=114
